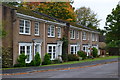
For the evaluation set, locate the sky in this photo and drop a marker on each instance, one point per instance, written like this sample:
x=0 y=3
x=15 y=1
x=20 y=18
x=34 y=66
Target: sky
x=101 y=7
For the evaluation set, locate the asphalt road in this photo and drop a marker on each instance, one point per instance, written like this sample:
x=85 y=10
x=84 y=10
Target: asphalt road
x=101 y=71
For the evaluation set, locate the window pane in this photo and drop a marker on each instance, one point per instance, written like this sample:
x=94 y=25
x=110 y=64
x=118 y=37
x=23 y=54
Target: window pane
x=27 y=27
x=36 y=28
x=28 y=53
x=48 y=30
x=22 y=49
x=59 y=32
x=21 y=24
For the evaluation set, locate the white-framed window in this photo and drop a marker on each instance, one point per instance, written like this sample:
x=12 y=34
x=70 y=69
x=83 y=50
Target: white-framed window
x=72 y=34
x=51 y=50
x=73 y=49
x=59 y=32
x=85 y=48
x=93 y=37
x=96 y=37
x=26 y=48
x=36 y=28
x=77 y=34
x=51 y=31
x=84 y=35
x=24 y=26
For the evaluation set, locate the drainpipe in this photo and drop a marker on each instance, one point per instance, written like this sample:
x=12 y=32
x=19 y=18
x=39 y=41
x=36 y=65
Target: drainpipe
x=44 y=33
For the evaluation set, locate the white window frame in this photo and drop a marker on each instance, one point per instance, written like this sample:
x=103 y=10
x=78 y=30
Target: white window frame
x=26 y=44
x=93 y=37
x=74 y=52
x=77 y=34
x=72 y=34
x=52 y=45
x=25 y=27
x=84 y=35
x=96 y=37
x=36 y=28
x=50 y=33
x=59 y=32
x=86 y=48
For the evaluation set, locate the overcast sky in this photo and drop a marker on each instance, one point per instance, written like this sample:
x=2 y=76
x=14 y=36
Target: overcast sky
x=101 y=7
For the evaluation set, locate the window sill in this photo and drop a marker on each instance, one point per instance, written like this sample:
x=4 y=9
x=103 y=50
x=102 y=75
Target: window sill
x=24 y=34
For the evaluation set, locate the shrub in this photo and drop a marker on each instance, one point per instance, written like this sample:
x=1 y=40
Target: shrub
x=73 y=57
x=46 y=60
x=56 y=61
x=21 y=60
x=31 y=63
x=17 y=65
x=82 y=54
x=7 y=58
x=94 y=52
x=37 y=60
x=65 y=57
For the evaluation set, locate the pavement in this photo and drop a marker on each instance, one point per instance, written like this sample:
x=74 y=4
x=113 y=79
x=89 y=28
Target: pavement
x=55 y=67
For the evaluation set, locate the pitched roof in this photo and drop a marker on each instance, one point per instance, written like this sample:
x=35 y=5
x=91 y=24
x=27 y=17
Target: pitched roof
x=45 y=17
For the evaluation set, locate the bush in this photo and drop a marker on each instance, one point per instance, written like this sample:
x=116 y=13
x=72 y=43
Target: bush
x=82 y=54
x=73 y=57
x=17 y=65
x=31 y=63
x=56 y=61
x=21 y=60
x=7 y=57
x=46 y=60
x=65 y=57
x=37 y=60
x=94 y=52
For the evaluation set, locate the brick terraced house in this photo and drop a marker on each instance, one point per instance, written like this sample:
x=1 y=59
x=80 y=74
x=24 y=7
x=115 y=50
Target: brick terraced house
x=30 y=32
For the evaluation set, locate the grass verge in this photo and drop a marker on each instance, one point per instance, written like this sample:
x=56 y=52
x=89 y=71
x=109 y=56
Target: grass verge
x=71 y=62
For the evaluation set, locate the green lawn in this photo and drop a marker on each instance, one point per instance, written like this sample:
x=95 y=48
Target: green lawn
x=73 y=62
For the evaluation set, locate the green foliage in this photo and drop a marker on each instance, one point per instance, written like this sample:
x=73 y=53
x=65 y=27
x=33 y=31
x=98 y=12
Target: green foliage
x=94 y=52
x=21 y=60
x=7 y=58
x=46 y=60
x=56 y=61
x=64 y=49
x=61 y=10
x=87 y=17
x=82 y=54
x=113 y=26
x=73 y=57
x=37 y=60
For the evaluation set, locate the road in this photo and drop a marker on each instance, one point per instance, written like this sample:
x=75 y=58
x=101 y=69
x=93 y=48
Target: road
x=109 y=70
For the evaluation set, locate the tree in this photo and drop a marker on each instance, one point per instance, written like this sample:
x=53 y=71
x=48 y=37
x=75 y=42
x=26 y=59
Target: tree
x=61 y=10
x=86 y=17
x=113 y=25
